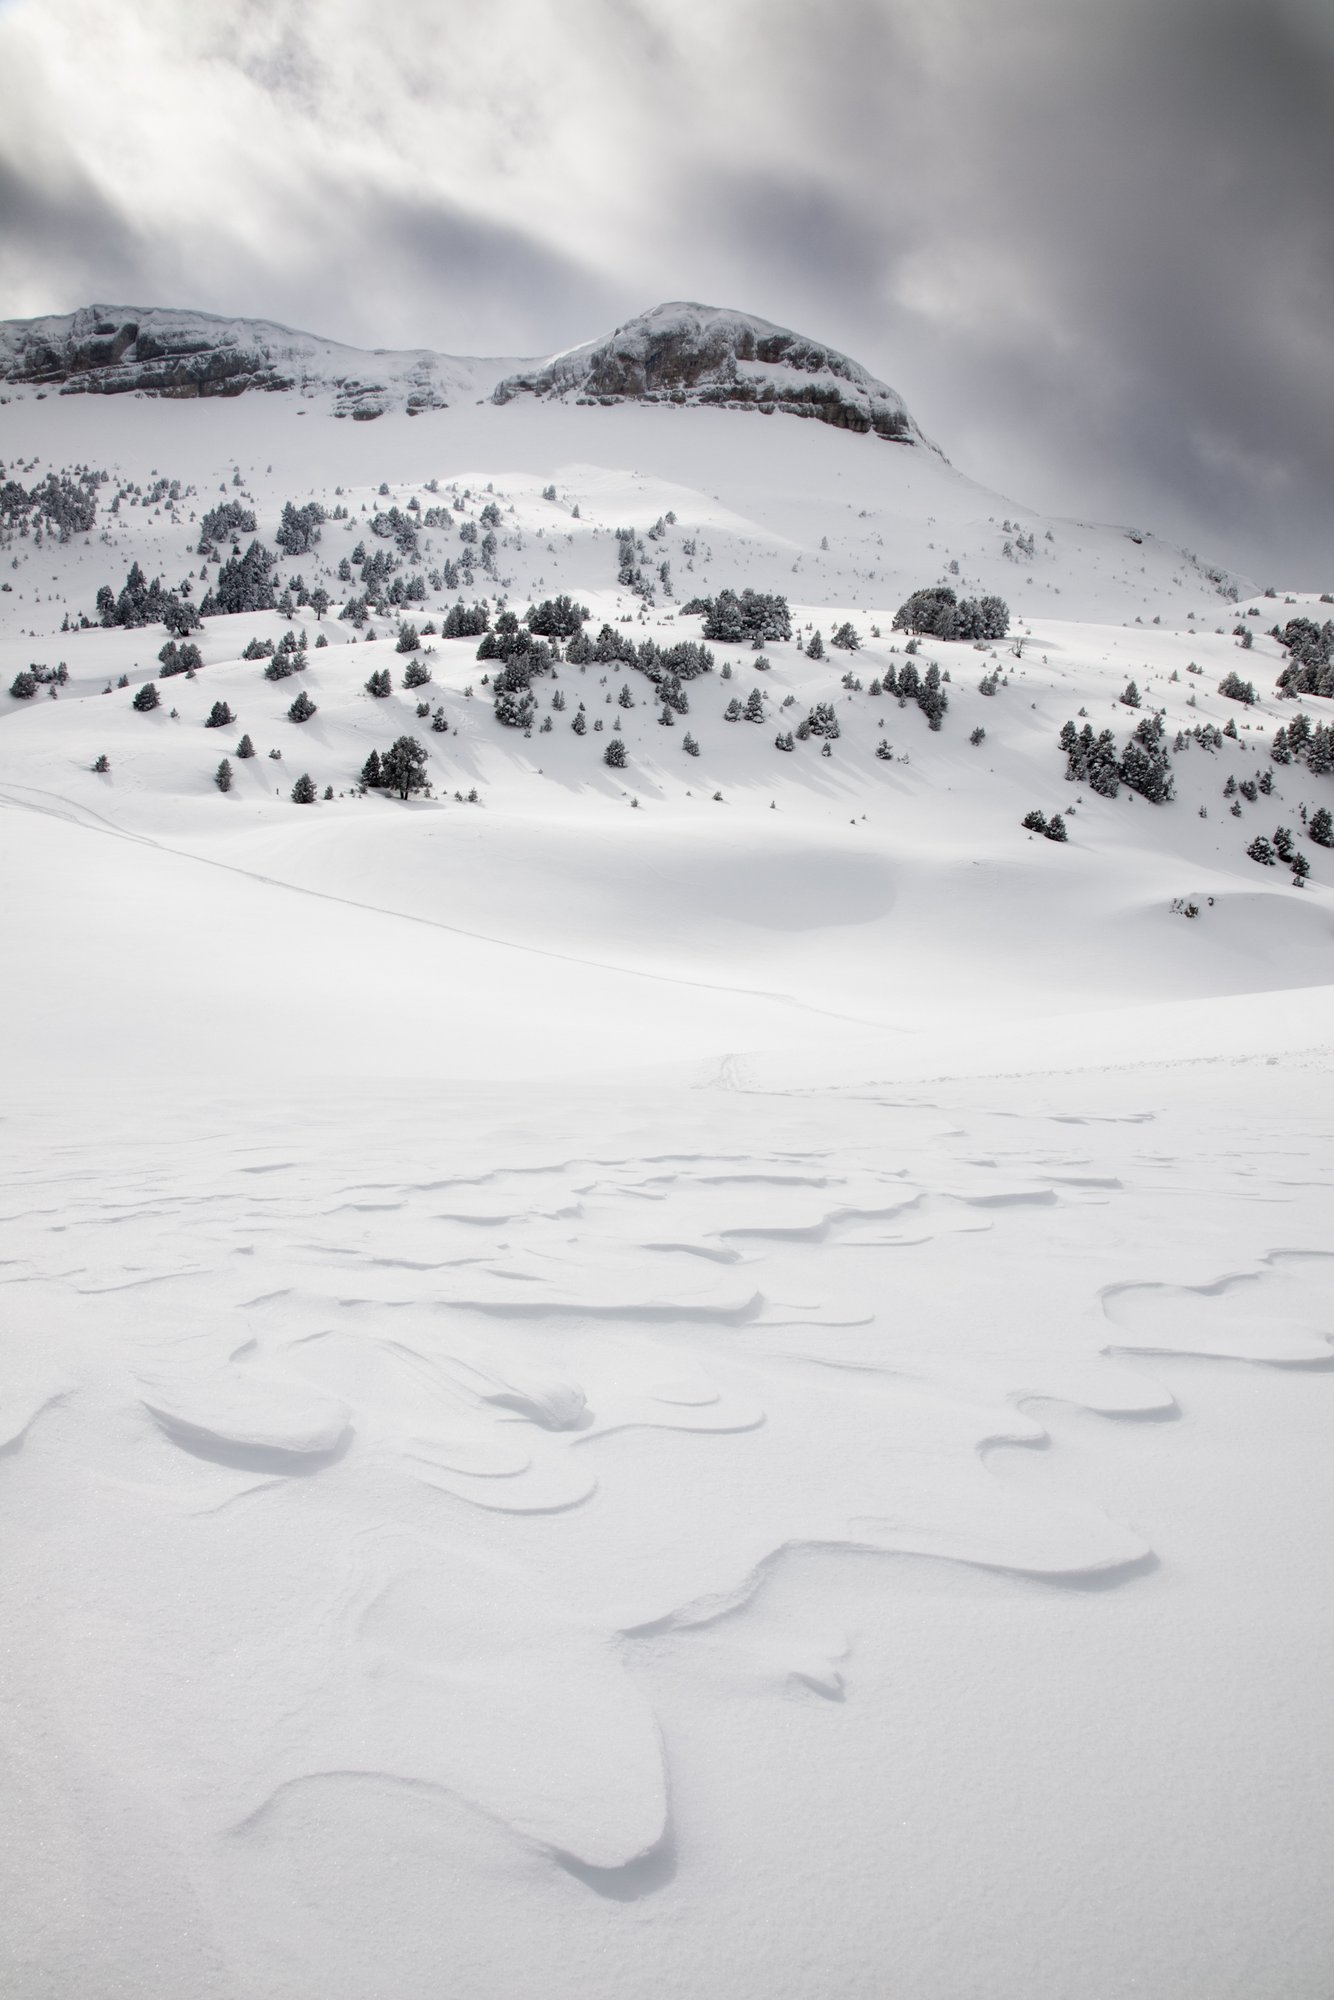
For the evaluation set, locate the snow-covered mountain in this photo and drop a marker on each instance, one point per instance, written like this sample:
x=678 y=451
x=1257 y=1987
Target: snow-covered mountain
x=680 y=353
x=704 y=355
x=701 y=1315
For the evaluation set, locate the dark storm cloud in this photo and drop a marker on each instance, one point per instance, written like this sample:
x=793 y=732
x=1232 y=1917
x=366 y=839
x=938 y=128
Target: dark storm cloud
x=1093 y=244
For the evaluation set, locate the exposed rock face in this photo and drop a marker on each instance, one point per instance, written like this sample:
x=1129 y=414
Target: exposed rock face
x=117 y=350
x=694 y=354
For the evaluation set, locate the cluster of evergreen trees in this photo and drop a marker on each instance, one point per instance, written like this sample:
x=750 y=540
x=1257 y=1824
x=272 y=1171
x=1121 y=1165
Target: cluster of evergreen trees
x=401 y=768
x=907 y=684
x=1144 y=766
x=630 y=554
x=465 y=621
x=287 y=657
x=244 y=583
x=223 y=523
x=1282 y=848
x=937 y=613
x=141 y=603
x=1310 y=668
x=751 y=617
x=28 y=679
x=299 y=528
x=65 y=503
x=182 y=658
x=1304 y=742
x=556 y=618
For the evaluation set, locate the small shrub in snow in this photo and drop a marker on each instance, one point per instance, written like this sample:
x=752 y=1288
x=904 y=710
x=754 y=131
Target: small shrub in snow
x=979 y=735
x=102 y=763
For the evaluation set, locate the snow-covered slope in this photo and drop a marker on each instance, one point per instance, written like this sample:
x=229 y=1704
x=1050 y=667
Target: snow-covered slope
x=704 y=1376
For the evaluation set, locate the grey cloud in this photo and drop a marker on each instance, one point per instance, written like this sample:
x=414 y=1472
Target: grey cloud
x=1091 y=242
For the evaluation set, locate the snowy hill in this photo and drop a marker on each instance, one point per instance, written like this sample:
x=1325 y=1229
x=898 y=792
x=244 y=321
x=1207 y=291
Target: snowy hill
x=701 y=355
x=693 y=1319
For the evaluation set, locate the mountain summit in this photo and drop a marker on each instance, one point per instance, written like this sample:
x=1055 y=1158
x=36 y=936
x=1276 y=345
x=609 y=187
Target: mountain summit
x=709 y=355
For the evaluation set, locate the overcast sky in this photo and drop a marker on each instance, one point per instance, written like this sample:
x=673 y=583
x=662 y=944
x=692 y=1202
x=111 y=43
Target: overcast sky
x=1090 y=241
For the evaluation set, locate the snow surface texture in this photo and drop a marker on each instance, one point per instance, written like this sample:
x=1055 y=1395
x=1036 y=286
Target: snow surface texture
x=727 y=1396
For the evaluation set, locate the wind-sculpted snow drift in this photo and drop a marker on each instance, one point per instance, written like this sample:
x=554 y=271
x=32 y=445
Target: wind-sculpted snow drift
x=701 y=1375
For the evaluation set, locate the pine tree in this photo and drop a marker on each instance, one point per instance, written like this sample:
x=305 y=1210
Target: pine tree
x=219 y=716
x=379 y=685
x=1055 y=828
x=754 y=709
x=416 y=674
x=1035 y=821
x=1321 y=827
x=580 y=722
x=302 y=708
x=1261 y=851
x=1130 y=699
x=146 y=698
x=614 y=754
x=846 y=639
x=815 y=651
x=24 y=685
x=102 y=763
x=303 y=791
x=689 y=745
x=245 y=748
x=403 y=767
x=222 y=777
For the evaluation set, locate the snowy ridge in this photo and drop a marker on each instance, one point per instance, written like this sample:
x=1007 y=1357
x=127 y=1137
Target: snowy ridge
x=118 y=350
x=685 y=353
